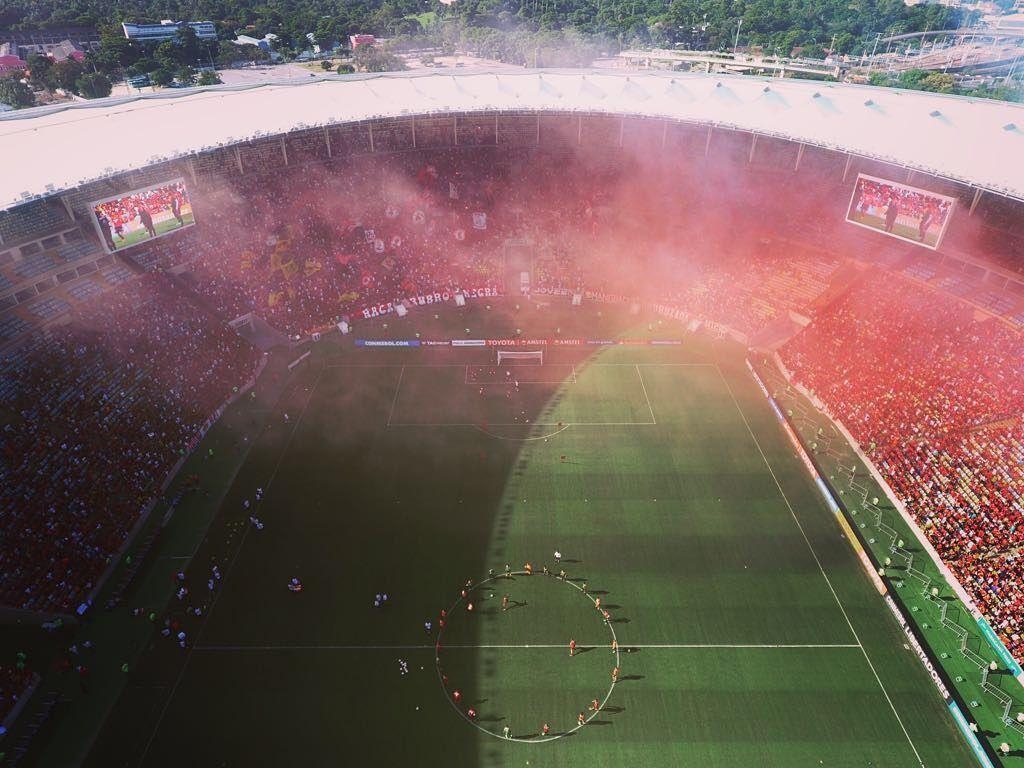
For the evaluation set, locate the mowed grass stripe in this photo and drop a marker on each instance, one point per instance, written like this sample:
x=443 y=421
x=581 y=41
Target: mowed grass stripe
x=676 y=581
x=359 y=508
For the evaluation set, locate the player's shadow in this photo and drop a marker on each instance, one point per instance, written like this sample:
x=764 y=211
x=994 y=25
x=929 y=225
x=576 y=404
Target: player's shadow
x=598 y=591
x=612 y=607
x=513 y=604
x=631 y=649
x=490 y=719
x=599 y=722
x=631 y=677
x=623 y=620
x=570 y=560
x=613 y=710
x=586 y=649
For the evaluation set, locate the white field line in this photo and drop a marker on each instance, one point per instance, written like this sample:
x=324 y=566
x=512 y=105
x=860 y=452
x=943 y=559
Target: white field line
x=534 y=424
x=482 y=365
x=227 y=571
x=646 y=397
x=560 y=646
x=828 y=581
x=394 y=400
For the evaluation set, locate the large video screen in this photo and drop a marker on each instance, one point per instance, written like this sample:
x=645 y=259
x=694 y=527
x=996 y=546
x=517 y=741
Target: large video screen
x=908 y=213
x=143 y=214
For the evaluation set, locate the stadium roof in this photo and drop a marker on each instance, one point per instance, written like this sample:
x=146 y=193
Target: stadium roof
x=975 y=141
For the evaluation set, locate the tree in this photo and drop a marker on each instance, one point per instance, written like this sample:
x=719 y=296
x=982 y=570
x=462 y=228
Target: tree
x=15 y=93
x=325 y=65
x=64 y=74
x=209 y=78
x=345 y=69
x=227 y=53
x=39 y=68
x=116 y=51
x=93 y=85
x=161 y=76
x=370 y=58
x=189 y=47
x=185 y=75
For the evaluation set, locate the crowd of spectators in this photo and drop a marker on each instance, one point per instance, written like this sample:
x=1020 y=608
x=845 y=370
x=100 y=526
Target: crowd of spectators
x=95 y=414
x=933 y=391
x=304 y=247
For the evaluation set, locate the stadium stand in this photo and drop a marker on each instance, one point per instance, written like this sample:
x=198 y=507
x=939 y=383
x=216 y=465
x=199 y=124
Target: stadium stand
x=49 y=308
x=307 y=244
x=34 y=265
x=12 y=326
x=101 y=411
x=942 y=424
x=27 y=221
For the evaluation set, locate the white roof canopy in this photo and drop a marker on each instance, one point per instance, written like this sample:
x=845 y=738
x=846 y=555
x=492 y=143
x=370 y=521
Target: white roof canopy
x=975 y=141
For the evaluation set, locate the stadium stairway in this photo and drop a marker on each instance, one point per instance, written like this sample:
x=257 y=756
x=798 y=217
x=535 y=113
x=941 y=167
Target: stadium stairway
x=775 y=334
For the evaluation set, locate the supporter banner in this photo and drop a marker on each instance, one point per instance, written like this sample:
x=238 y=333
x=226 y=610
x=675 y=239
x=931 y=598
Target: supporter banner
x=906 y=213
x=425 y=299
x=602 y=296
x=142 y=215
x=299 y=359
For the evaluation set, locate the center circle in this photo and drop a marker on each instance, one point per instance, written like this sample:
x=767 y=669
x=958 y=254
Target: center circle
x=523 y=650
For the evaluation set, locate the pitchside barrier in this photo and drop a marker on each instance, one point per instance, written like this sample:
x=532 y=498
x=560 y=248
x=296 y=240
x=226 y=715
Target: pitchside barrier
x=938 y=675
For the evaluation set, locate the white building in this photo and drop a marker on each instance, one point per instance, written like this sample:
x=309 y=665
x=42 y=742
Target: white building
x=168 y=30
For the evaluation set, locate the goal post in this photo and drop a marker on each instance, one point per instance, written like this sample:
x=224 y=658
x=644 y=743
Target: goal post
x=534 y=356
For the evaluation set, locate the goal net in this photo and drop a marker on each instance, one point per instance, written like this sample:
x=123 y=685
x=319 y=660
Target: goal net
x=519 y=358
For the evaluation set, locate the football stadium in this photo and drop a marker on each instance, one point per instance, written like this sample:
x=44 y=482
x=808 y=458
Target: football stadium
x=520 y=418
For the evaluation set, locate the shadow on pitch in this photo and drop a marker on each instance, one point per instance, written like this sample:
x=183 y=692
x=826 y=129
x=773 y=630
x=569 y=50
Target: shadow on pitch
x=631 y=677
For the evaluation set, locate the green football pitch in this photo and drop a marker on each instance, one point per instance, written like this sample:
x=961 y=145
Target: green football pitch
x=163 y=224
x=747 y=633
x=911 y=233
